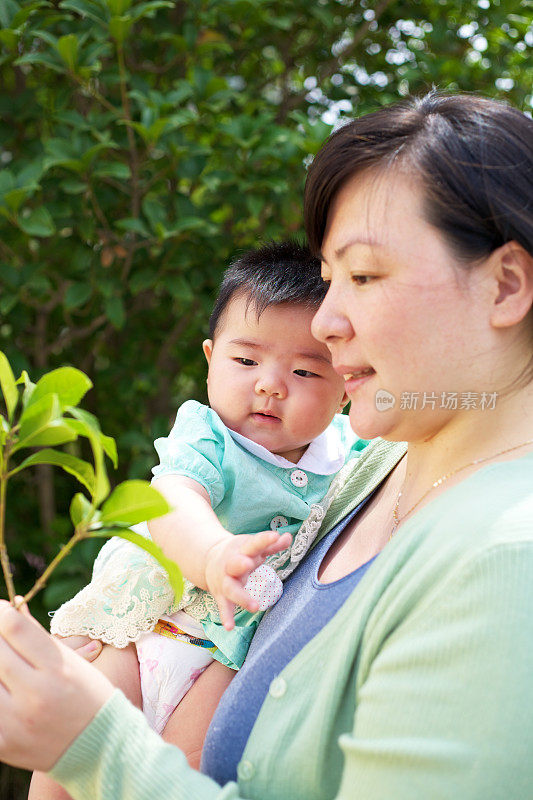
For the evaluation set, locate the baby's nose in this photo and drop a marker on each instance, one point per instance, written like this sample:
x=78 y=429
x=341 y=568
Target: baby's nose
x=272 y=385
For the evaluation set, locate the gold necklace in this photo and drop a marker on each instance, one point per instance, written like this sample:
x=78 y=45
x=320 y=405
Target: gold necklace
x=397 y=520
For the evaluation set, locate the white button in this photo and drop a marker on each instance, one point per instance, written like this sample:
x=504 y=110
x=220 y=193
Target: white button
x=277 y=688
x=278 y=522
x=245 y=770
x=299 y=478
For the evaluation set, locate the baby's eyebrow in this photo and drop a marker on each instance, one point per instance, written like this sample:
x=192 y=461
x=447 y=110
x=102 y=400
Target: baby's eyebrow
x=307 y=354
x=313 y=357
x=248 y=343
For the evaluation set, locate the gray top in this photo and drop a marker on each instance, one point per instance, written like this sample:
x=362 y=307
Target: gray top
x=304 y=608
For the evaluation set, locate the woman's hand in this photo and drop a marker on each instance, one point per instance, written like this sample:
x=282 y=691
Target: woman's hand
x=48 y=695
x=229 y=563
x=87 y=648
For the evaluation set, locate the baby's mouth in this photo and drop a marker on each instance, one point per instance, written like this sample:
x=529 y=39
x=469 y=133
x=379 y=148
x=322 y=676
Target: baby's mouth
x=266 y=415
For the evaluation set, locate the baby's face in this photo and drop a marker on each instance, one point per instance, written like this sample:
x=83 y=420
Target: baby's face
x=270 y=380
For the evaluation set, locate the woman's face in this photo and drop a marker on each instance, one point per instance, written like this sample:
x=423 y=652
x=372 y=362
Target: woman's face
x=406 y=325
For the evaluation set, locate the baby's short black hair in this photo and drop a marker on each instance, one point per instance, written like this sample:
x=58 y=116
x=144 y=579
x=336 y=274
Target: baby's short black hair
x=272 y=275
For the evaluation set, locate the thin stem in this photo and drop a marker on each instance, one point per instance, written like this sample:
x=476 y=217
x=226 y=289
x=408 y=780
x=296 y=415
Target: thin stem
x=41 y=581
x=4 y=558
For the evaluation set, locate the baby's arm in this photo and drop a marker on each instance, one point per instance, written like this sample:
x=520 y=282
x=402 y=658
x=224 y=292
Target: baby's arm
x=210 y=556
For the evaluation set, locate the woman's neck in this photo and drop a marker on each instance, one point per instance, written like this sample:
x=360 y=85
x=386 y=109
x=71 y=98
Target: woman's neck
x=471 y=436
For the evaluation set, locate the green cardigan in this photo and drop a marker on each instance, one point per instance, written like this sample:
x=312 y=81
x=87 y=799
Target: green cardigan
x=421 y=686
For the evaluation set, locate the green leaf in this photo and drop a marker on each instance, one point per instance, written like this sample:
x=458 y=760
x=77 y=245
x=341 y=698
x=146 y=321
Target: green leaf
x=119 y=28
x=41 y=59
x=81 y=510
x=134 y=225
x=113 y=169
x=132 y=502
x=68 y=383
x=87 y=425
x=15 y=198
x=8 y=386
x=77 y=294
x=55 y=433
x=73 y=186
x=175 y=577
x=118 y=7
x=67 y=47
x=149 y=9
x=38 y=223
x=29 y=387
x=110 y=448
x=8 y=9
x=85 y=8
x=7 y=181
x=4 y=430
x=41 y=424
x=9 y=38
x=114 y=311
x=46 y=410
x=108 y=443
x=81 y=470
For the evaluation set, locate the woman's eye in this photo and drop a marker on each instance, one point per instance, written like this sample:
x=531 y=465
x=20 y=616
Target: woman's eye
x=246 y=362
x=361 y=280
x=305 y=373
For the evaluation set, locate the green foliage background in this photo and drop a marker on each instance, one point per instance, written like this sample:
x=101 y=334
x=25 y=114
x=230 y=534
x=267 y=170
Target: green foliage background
x=145 y=144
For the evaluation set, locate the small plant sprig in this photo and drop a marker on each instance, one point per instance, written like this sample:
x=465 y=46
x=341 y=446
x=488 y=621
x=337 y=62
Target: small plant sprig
x=41 y=416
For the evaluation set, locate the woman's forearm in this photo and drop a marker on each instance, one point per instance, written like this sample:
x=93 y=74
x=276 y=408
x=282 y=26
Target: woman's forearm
x=118 y=757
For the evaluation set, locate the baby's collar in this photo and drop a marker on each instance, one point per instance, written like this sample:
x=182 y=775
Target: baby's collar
x=325 y=455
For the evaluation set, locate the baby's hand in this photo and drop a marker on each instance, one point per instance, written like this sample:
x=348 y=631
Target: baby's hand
x=229 y=563
x=87 y=648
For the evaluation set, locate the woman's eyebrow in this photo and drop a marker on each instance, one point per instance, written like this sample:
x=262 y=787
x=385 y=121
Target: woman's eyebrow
x=341 y=251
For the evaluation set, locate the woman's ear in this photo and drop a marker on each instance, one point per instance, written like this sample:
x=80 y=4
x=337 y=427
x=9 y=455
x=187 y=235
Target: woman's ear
x=513 y=270
x=207 y=347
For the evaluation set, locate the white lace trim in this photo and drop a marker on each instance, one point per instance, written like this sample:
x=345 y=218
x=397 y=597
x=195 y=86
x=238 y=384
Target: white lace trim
x=306 y=534
x=129 y=590
x=128 y=593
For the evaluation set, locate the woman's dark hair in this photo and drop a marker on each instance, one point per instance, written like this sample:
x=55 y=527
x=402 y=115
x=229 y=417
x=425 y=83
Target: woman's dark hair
x=272 y=275
x=474 y=157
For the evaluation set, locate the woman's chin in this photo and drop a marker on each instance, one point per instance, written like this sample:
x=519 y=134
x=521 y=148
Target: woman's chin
x=370 y=423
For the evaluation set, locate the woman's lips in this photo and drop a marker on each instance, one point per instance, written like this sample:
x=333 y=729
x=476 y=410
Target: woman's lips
x=353 y=380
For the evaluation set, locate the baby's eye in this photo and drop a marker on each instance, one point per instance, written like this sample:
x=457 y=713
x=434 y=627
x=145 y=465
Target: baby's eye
x=361 y=280
x=305 y=373
x=246 y=362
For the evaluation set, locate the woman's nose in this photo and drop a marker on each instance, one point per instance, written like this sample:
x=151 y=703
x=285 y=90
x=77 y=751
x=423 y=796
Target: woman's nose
x=271 y=383
x=330 y=322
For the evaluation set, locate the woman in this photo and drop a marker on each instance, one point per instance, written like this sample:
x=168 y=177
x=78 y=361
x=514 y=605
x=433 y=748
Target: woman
x=406 y=670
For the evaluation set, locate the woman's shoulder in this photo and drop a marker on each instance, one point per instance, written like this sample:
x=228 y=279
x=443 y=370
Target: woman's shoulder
x=496 y=501
x=359 y=477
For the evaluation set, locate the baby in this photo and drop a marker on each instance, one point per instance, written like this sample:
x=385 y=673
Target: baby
x=241 y=475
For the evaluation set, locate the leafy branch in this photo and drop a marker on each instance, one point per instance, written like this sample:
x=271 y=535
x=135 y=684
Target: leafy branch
x=44 y=415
